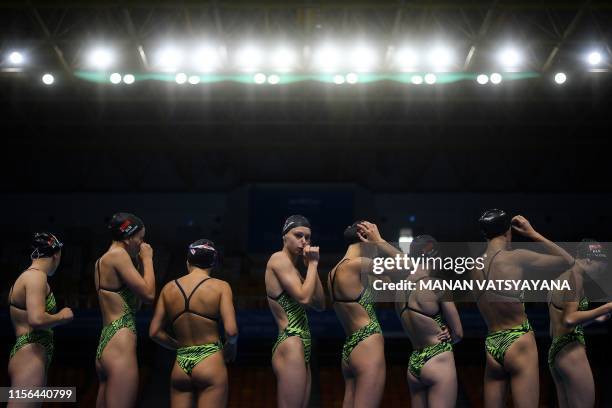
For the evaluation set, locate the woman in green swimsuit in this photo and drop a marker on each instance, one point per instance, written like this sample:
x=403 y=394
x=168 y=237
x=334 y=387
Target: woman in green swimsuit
x=120 y=288
x=567 y=358
x=432 y=326
x=363 y=352
x=511 y=352
x=193 y=305
x=33 y=313
x=288 y=293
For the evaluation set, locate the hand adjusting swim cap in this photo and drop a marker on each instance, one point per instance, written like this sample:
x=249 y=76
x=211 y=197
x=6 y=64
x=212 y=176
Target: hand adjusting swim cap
x=591 y=249
x=202 y=254
x=425 y=245
x=44 y=245
x=351 y=235
x=124 y=225
x=295 y=221
x=494 y=223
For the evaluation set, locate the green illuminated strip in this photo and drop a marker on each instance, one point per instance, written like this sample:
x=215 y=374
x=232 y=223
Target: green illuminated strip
x=441 y=77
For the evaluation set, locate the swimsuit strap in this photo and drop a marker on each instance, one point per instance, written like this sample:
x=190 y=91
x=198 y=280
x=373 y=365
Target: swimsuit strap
x=188 y=299
x=491 y=263
x=277 y=297
x=333 y=279
x=97 y=267
x=500 y=293
x=406 y=307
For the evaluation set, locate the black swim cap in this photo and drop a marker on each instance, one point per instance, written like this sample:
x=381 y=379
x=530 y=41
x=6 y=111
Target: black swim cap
x=494 y=223
x=351 y=235
x=591 y=249
x=295 y=221
x=44 y=245
x=202 y=254
x=424 y=245
x=124 y=225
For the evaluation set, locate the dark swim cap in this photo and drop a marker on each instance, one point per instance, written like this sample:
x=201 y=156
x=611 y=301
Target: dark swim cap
x=424 y=245
x=295 y=221
x=494 y=223
x=44 y=245
x=124 y=225
x=351 y=235
x=591 y=249
x=202 y=254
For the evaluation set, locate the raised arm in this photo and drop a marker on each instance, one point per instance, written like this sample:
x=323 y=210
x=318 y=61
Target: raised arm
x=284 y=271
x=228 y=315
x=557 y=257
x=453 y=321
x=159 y=322
x=143 y=286
x=368 y=232
x=573 y=317
x=36 y=293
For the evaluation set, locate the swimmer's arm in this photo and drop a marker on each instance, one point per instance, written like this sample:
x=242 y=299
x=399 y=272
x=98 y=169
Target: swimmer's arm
x=531 y=259
x=573 y=317
x=453 y=321
x=318 y=298
x=284 y=271
x=228 y=315
x=38 y=318
x=368 y=232
x=143 y=286
x=159 y=321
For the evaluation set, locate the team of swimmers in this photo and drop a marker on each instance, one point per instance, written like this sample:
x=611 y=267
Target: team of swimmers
x=189 y=310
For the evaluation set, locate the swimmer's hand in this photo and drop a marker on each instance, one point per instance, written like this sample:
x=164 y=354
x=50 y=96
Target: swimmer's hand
x=229 y=351
x=604 y=318
x=523 y=227
x=146 y=252
x=66 y=315
x=444 y=334
x=311 y=254
x=368 y=232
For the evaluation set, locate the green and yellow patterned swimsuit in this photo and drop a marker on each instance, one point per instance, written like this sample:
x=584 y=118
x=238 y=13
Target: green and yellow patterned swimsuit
x=576 y=335
x=43 y=337
x=366 y=300
x=419 y=357
x=127 y=319
x=498 y=342
x=189 y=356
x=297 y=323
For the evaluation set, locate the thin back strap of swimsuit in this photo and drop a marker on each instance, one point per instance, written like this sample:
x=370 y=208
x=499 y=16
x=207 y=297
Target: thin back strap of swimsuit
x=491 y=263
x=407 y=307
x=187 y=299
x=333 y=280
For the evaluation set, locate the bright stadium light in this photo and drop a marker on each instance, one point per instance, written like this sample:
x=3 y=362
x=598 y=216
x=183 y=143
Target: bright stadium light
x=338 y=79
x=115 y=77
x=283 y=59
x=362 y=58
x=510 y=58
x=206 y=58
x=128 y=79
x=100 y=58
x=440 y=58
x=352 y=78
x=406 y=59
x=594 y=58
x=430 y=79
x=248 y=58
x=482 y=79
x=560 y=78
x=180 y=78
x=48 y=79
x=495 y=78
x=16 y=58
x=416 y=79
x=169 y=58
x=273 y=79
x=327 y=58
x=259 y=78
x=194 y=79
